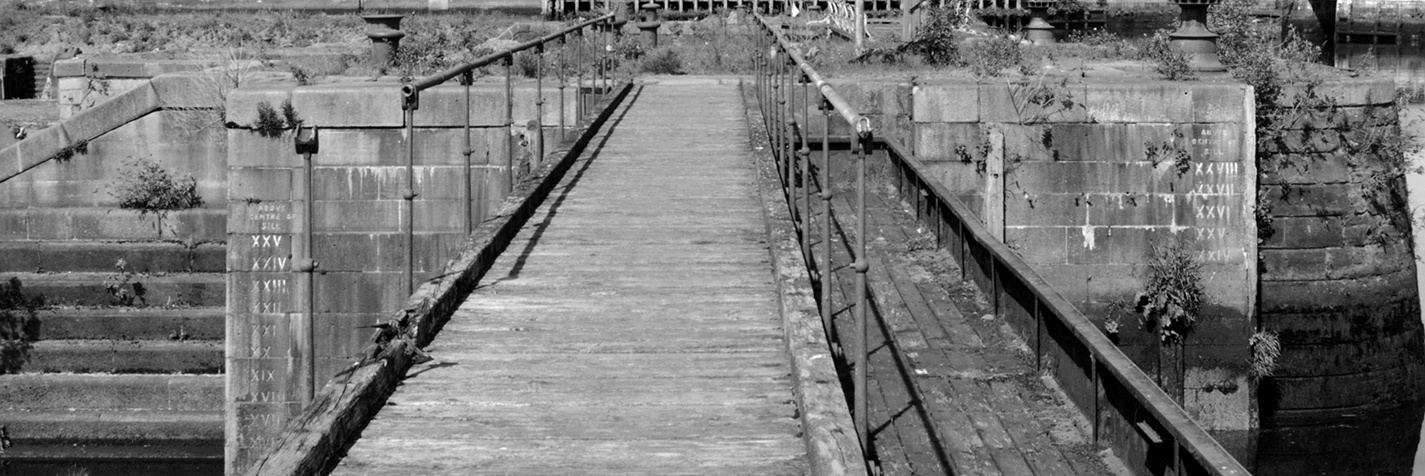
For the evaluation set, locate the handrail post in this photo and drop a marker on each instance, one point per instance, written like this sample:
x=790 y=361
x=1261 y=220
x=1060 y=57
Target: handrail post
x=826 y=274
x=562 y=109
x=510 y=126
x=804 y=165
x=538 y=107
x=861 y=265
x=411 y=103
x=467 y=80
x=579 y=89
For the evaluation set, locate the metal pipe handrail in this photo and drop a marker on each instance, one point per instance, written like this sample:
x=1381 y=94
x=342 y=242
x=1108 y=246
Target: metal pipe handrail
x=1176 y=421
x=777 y=102
x=449 y=74
x=860 y=123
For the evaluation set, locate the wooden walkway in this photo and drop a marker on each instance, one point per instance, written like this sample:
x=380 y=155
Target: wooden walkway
x=950 y=391
x=631 y=328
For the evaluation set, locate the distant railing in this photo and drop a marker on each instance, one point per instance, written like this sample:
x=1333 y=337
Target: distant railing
x=1146 y=429
x=781 y=66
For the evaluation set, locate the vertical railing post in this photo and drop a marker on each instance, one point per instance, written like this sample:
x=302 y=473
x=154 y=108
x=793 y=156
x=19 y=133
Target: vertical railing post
x=804 y=166
x=412 y=102
x=788 y=124
x=306 y=144
x=467 y=79
x=860 y=266
x=509 y=126
x=579 y=86
x=538 y=107
x=825 y=271
x=562 y=109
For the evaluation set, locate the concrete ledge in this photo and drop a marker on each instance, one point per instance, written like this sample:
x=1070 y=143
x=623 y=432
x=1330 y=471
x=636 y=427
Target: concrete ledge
x=126 y=357
x=832 y=445
x=103 y=425
x=316 y=438
x=41 y=392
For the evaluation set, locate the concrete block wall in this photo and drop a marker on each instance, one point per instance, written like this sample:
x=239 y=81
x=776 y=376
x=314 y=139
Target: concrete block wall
x=83 y=82
x=358 y=224
x=1073 y=188
x=1338 y=274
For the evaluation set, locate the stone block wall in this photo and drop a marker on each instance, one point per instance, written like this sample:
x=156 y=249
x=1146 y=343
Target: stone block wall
x=1338 y=274
x=1085 y=178
x=362 y=229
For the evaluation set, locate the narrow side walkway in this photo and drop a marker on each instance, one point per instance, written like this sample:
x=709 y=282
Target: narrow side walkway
x=950 y=391
x=631 y=328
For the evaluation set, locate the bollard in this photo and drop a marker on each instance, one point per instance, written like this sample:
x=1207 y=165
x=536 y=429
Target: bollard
x=385 y=33
x=1193 y=37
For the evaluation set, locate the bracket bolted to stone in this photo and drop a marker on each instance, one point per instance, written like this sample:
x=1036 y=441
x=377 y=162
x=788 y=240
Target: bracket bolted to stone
x=410 y=98
x=305 y=142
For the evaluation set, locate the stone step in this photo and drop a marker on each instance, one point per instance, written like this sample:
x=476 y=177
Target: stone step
x=101 y=256
x=144 y=427
x=110 y=392
x=128 y=323
x=104 y=223
x=159 y=290
x=106 y=457
x=125 y=357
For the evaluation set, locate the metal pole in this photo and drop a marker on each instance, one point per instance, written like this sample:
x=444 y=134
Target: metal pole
x=410 y=191
x=579 y=91
x=827 y=276
x=467 y=80
x=538 y=107
x=804 y=165
x=861 y=265
x=562 y=109
x=860 y=26
x=510 y=127
x=309 y=357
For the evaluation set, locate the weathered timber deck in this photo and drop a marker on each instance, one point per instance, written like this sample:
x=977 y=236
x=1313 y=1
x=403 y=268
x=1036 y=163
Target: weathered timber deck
x=949 y=391
x=631 y=328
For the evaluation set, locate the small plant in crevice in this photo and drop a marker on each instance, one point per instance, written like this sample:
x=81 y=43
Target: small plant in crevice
x=289 y=114
x=67 y=152
x=662 y=62
x=990 y=57
x=123 y=287
x=936 y=41
x=19 y=324
x=1047 y=98
x=146 y=186
x=1167 y=60
x=1173 y=293
x=269 y=122
x=1169 y=151
x=1266 y=348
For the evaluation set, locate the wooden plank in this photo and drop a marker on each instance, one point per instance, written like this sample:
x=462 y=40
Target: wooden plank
x=632 y=328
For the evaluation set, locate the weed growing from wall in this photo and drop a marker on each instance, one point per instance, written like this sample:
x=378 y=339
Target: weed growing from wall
x=19 y=326
x=123 y=287
x=1266 y=349
x=152 y=190
x=1167 y=60
x=1173 y=294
